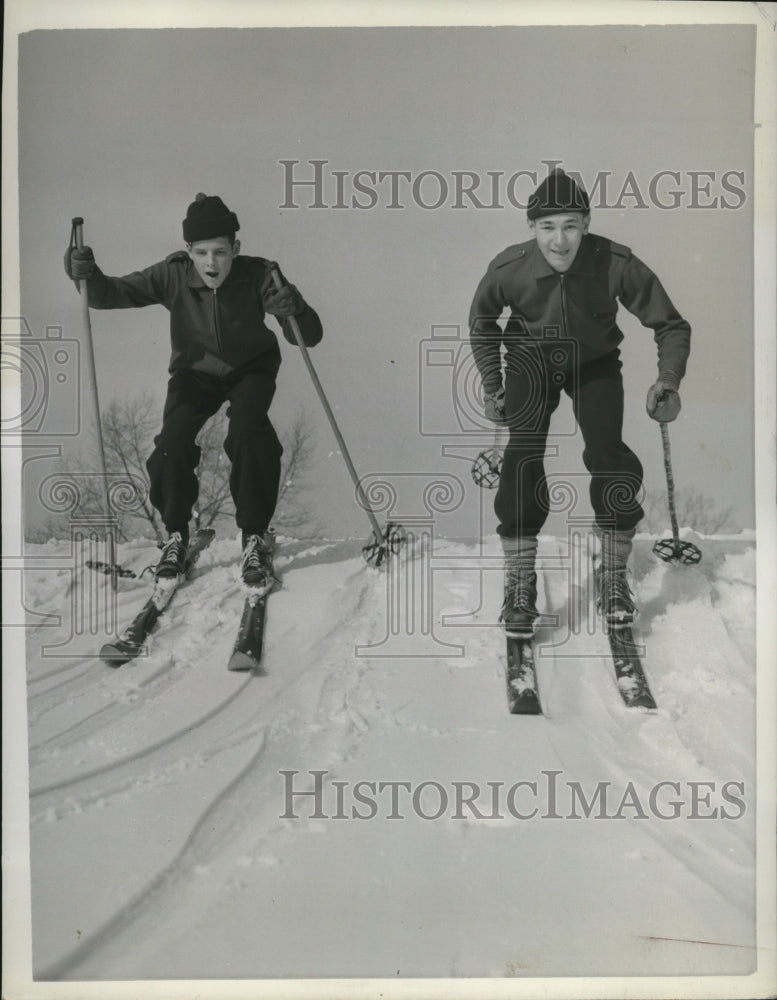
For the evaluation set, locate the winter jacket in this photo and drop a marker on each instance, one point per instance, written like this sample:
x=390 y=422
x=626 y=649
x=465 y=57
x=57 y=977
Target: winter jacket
x=212 y=331
x=579 y=306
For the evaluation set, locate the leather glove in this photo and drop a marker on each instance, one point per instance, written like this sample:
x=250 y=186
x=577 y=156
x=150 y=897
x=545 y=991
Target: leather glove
x=495 y=406
x=283 y=302
x=663 y=402
x=79 y=263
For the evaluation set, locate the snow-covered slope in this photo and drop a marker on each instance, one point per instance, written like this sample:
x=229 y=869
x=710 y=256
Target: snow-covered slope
x=446 y=837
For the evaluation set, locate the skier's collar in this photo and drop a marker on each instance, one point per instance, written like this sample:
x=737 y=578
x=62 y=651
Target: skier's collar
x=583 y=263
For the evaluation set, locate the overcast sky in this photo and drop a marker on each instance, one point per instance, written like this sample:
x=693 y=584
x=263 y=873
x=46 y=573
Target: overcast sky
x=123 y=127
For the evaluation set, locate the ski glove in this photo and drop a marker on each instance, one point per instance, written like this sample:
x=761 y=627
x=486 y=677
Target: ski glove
x=283 y=302
x=79 y=263
x=663 y=402
x=495 y=406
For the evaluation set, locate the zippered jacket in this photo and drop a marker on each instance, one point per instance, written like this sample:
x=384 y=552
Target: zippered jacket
x=578 y=307
x=212 y=331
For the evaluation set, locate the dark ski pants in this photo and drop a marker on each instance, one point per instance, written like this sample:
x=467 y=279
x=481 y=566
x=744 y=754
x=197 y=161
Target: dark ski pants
x=251 y=445
x=596 y=391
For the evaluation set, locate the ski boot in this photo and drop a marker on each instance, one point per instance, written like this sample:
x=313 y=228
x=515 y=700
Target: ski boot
x=519 y=611
x=257 y=568
x=172 y=562
x=614 y=599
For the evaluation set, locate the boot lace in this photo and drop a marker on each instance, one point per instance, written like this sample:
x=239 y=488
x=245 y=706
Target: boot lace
x=172 y=558
x=520 y=594
x=615 y=593
x=257 y=567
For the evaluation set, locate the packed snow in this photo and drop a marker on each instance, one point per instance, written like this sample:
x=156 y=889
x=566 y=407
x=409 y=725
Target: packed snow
x=171 y=836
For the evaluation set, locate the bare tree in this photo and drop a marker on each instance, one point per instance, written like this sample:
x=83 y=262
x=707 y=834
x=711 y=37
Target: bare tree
x=128 y=429
x=214 y=502
x=295 y=509
x=129 y=426
x=694 y=509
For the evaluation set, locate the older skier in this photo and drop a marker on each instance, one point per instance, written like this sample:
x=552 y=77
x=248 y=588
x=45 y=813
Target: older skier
x=565 y=285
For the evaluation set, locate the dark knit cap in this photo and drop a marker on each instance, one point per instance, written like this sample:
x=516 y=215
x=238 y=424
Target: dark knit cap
x=208 y=217
x=557 y=193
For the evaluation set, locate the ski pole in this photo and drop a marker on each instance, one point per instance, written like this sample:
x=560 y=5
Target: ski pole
x=77 y=239
x=666 y=548
x=383 y=540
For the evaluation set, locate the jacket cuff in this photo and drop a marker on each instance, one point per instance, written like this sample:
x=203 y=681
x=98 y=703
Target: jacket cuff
x=670 y=379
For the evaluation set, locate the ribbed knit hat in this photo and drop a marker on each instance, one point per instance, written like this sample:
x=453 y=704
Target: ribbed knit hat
x=557 y=193
x=208 y=217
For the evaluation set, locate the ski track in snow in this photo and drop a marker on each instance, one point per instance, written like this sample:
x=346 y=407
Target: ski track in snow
x=239 y=719
x=234 y=712
x=194 y=752
x=642 y=748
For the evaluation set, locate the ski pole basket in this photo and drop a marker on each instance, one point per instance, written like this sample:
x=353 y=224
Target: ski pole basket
x=487 y=467
x=389 y=542
x=677 y=551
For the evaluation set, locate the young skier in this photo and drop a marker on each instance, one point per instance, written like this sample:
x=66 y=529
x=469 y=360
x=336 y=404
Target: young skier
x=565 y=285
x=222 y=351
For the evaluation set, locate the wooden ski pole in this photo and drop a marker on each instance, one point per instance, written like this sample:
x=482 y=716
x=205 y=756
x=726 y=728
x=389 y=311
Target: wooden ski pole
x=77 y=238
x=673 y=549
x=381 y=538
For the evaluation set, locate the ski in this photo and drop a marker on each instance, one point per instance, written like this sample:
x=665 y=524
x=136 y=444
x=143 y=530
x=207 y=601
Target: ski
x=247 y=651
x=131 y=642
x=629 y=673
x=522 y=695
x=103 y=567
